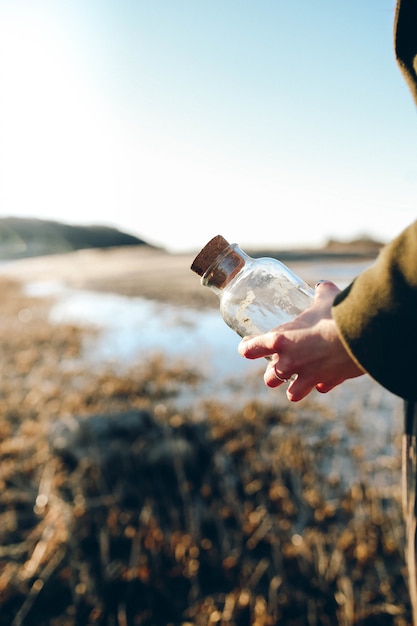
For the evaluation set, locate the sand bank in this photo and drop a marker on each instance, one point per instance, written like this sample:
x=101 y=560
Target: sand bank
x=132 y=271
x=150 y=273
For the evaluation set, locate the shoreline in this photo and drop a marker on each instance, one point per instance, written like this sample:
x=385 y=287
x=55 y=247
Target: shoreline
x=150 y=273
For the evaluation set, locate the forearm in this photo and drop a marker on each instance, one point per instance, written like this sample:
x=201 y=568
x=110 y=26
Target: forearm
x=405 y=35
x=377 y=316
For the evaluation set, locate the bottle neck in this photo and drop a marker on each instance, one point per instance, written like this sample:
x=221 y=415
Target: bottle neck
x=225 y=267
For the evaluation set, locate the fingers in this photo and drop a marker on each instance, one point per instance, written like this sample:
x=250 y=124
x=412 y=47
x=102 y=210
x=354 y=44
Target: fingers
x=273 y=377
x=301 y=347
x=326 y=387
x=273 y=341
x=259 y=346
x=300 y=388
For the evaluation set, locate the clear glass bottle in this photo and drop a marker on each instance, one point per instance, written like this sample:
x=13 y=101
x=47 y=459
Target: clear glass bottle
x=255 y=295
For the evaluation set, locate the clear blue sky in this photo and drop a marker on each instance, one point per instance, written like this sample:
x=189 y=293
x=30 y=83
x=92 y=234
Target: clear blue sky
x=271 y=122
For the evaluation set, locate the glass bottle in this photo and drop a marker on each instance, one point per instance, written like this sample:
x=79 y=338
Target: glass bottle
x=255 y=295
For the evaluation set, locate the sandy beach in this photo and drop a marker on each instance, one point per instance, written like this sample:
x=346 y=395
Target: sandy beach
x=132 y=271
x=146 y=272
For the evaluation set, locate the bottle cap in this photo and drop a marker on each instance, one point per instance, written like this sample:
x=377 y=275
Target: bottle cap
x=209 y=254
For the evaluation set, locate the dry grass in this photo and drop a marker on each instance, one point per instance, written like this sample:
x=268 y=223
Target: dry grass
x=154 y=518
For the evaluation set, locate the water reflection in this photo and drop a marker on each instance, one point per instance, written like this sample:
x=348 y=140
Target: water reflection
x=128 y=330
x=131 y=329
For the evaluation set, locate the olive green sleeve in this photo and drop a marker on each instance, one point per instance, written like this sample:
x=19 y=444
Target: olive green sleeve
x=405 y=42
x=377 y=316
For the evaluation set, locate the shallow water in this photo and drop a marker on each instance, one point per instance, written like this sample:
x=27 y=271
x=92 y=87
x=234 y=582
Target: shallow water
x=134 y=328
x=131 y=329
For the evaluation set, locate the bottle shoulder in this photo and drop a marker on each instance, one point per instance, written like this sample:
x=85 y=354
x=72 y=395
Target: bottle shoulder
x=263 y=265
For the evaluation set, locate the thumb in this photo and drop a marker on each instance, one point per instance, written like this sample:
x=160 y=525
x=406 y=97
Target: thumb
x=325 y=289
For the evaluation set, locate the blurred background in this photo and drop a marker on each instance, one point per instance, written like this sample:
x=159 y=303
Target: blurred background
x=273 y=123
x=147 y=475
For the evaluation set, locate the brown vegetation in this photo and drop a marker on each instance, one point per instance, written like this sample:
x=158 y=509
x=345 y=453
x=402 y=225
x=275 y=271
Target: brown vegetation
x=118 y=509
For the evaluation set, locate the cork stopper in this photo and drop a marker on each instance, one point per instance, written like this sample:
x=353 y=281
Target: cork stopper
x=209 y=254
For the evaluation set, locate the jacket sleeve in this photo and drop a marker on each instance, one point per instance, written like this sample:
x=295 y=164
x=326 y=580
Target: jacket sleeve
x=405 y=42
x=377 y=316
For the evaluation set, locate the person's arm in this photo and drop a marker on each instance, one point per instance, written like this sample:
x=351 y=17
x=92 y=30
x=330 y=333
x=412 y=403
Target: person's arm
x=377 y=316
x=405 y=42
x=372 y=325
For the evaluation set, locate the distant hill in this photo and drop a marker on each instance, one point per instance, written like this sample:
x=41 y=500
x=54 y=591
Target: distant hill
x=26 y=237
x=361 y=248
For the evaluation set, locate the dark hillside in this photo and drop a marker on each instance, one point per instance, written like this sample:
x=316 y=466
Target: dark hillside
x=361 y=248
x=26 y=237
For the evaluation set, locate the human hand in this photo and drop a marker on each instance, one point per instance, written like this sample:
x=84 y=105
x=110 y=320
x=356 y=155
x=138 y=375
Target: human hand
x=308 y=347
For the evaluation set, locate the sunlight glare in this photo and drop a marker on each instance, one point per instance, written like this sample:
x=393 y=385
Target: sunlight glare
x=54 y=150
